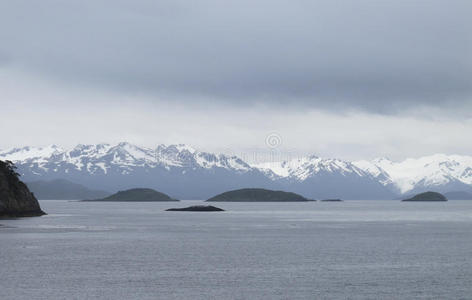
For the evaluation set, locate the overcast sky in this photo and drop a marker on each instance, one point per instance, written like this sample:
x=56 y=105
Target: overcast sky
x=348 y=79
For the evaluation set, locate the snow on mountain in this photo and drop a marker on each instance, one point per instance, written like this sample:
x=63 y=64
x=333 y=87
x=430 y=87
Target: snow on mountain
x=179 y=170
x=27 y=153
x=424 y=172
x=174 y=165
x=326 y=178
x=305 y=167
x=437 y=171
x=377 y=172
x=124 y=155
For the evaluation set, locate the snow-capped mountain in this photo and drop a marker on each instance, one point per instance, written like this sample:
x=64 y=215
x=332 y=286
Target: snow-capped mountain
x=437 y=172
x=325 y=178
x=123 y=157
x=177 y=169
x=443 y=173
x=305 y=167
x=185 y=172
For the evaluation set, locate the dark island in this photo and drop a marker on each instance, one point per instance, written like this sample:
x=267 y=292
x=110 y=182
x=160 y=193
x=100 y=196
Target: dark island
x=427 y=197
x=331 y=200
x=197 y=208
x=15 y=198
x=136 y=195
x=257 y=195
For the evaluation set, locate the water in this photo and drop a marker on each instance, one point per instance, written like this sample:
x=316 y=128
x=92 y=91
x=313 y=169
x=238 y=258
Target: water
x=355 y=250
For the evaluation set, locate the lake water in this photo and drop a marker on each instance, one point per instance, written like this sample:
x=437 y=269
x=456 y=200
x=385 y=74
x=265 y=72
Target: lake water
x=314 y=250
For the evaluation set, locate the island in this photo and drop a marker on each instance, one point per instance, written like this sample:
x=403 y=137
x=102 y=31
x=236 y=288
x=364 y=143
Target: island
x=257 y=195
x=427 y=197
x=197 y=208
x=136 y=195
x=16 y=200
x=331 y=200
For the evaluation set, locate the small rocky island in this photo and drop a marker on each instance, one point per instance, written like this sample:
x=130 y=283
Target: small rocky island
x=331 y=200
x=427 y=197
x=136 y=195
x=15 y=198
x=197 y=208
x=258 y=195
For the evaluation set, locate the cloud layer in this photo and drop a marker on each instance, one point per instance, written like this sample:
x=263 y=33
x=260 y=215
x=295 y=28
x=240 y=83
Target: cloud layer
x=353 y=79
x=378 y=56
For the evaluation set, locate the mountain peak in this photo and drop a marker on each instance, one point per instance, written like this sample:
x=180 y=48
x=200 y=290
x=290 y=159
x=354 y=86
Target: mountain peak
x=426 y=171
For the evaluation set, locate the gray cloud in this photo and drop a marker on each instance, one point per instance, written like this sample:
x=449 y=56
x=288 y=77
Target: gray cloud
x=379 y=56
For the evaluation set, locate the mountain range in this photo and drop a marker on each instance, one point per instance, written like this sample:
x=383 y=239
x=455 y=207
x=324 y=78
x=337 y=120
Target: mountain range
x=186 y=173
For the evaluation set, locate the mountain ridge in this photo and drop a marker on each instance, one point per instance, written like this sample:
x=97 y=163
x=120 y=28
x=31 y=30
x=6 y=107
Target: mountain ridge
x=171 y=167
x=440 y=172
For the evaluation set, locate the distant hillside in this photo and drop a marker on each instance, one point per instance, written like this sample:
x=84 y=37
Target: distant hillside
x=61 y=189
x=137 y=195
x=257 y=195
x=458 y=195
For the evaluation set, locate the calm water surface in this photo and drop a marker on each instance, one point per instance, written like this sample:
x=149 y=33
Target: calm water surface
x=348 y=250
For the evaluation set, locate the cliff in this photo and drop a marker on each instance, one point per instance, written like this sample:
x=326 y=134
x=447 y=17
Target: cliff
x=15 y=198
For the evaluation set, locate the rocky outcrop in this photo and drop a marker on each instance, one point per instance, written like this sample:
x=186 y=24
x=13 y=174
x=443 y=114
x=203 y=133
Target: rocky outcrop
x=197 y=208
x=15 y=198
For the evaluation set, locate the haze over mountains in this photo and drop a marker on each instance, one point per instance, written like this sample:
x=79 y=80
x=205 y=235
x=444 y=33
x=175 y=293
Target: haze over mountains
x=61 y=189
x=186 y=173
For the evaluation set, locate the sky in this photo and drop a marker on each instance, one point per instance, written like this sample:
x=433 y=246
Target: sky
x=336 y=78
